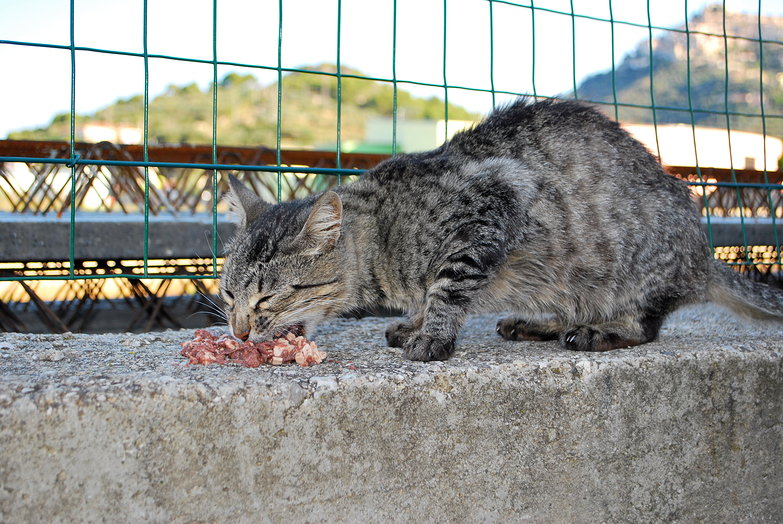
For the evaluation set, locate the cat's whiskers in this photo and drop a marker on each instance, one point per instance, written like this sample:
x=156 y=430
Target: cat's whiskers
x=212 y=308
x=210 y=313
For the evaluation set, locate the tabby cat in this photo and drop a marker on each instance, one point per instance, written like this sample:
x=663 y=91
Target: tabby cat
x=548 y=210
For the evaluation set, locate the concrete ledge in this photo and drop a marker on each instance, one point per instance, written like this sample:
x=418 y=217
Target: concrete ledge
x=114 y=428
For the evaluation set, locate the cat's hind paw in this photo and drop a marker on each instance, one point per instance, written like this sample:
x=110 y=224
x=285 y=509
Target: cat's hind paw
x=512 y=328
x=426 y=348
x=587 y=338
x=397 y=334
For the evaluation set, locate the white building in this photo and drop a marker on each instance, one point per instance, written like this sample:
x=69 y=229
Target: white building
x=675 y=146
x=115 y=133
x=412 y=135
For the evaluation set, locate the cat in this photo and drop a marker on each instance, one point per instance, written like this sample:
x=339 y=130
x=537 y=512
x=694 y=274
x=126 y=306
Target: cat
x=547 y=209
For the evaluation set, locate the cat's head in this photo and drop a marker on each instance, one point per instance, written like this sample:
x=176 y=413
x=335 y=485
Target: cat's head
x=283 y=266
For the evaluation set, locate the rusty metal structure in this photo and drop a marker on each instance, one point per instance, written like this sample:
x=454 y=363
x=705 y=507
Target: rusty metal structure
x=172 y=189
x=36 y=293
x=734 y=192
x=44 y=190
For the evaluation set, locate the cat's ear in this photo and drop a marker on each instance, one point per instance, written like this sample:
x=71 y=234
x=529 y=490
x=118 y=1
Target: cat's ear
x=242 y=202
x=322 y=228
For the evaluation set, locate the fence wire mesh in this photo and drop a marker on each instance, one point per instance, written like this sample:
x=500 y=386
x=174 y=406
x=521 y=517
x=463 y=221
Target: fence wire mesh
x=147 y=181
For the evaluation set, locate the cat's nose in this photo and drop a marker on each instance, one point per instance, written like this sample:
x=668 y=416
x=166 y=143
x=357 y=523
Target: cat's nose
x=242 y=336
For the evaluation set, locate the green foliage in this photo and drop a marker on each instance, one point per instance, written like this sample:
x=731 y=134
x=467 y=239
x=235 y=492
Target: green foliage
x=247 y=111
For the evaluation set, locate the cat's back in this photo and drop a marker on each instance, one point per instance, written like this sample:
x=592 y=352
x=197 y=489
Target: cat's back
x=547 y=135
x=560 y=147
x=554 y=132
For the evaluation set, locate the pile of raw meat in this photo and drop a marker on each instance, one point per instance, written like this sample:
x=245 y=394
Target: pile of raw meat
x=207 y=348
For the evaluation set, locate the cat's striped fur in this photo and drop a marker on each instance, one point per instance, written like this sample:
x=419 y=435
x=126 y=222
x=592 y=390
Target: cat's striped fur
x=546 y=209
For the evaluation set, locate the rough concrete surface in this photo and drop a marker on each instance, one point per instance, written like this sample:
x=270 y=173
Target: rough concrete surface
x=114 y=428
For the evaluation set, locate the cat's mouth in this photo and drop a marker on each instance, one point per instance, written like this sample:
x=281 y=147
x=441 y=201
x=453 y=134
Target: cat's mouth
x=297 y=330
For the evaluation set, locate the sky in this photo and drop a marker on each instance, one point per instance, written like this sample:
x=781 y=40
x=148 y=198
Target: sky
x=36 y=82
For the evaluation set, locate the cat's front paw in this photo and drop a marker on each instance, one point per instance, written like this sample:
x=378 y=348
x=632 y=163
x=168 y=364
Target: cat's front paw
x=426 y=348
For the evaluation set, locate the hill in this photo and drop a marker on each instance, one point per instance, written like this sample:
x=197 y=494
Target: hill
x=707 y=56
x=247 y=111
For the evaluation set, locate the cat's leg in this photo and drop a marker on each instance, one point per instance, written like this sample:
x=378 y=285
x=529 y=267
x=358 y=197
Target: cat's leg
x=458 y=282
x=436 y=338
x=516 y=328
x=622 y=333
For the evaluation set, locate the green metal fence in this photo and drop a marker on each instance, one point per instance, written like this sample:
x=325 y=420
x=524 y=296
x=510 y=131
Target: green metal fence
x=532 y=11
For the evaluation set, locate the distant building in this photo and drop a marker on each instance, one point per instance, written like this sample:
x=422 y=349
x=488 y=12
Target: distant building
x=114 y=133
x=676 y=143
x=412 y=135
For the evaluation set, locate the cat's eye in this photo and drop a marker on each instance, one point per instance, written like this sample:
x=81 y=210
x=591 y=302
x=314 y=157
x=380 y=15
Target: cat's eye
x=317 y=284
x=262 y=300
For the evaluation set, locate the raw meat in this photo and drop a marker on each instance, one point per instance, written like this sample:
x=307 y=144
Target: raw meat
x=207 y=348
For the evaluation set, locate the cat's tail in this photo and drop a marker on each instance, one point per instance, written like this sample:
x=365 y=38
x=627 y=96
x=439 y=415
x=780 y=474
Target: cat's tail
x=742 y=295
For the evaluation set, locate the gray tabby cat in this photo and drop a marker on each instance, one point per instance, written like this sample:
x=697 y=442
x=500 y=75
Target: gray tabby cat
x=546 y=209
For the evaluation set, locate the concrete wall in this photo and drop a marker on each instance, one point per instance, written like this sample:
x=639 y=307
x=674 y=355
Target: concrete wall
x=116 y=236
x=115 y=428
